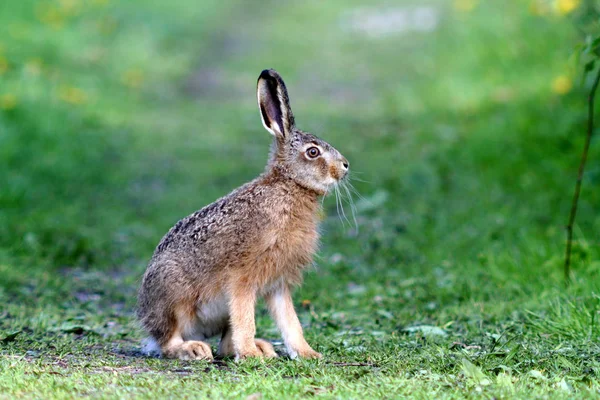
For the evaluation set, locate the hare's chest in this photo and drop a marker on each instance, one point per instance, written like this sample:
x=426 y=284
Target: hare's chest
x=287 y=242
x=298 y=247
x=295 y=243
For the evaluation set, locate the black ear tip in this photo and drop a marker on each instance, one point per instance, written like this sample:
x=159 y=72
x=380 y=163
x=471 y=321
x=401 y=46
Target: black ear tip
x=269 y=74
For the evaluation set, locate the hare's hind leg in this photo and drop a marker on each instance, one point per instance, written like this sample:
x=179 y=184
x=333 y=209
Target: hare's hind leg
x=176 y=347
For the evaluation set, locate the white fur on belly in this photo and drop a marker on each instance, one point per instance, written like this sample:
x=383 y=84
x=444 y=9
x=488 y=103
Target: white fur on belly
x=213 y=317
x=213 y=310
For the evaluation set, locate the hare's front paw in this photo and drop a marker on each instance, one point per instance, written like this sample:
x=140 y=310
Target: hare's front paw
x=251 y=351
x=258 y=348
x=190 y=350
x=307 y=352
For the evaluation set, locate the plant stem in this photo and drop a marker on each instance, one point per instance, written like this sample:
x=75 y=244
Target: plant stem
x=584 y=155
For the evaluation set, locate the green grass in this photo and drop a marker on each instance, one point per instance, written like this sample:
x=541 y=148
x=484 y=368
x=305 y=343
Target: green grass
x=117 y=118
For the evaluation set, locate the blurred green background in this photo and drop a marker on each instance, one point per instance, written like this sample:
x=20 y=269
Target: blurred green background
x=463 y=122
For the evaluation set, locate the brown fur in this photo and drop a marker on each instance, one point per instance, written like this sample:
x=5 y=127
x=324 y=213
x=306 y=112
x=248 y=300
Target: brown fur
x=209 y=269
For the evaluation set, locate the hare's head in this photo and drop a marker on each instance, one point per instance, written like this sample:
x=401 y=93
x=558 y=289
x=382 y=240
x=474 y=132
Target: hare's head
x=303 y=157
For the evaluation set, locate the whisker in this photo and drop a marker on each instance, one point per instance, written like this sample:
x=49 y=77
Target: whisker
x=342 y=204
x=352 y=177
x=350 y=189
x=337 y=204
x=352 y=206
x=351 y=186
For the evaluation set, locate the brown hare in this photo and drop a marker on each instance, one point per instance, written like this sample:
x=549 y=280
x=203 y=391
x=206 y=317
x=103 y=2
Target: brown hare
x=207 y=272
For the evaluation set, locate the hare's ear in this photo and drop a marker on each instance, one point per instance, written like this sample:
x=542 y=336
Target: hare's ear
x=274 y=104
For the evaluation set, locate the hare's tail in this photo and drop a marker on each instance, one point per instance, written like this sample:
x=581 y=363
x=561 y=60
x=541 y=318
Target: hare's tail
x=150 y=347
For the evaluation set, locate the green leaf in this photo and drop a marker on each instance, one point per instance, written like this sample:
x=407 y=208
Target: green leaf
x=589 y=66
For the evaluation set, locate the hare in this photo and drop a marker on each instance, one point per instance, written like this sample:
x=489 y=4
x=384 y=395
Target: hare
x=208 y=271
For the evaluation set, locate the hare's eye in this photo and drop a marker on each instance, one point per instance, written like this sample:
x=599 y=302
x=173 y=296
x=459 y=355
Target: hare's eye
x=313 y=152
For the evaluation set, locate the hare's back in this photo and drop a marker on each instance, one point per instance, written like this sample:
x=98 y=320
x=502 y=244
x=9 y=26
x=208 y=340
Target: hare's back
x=221 y=226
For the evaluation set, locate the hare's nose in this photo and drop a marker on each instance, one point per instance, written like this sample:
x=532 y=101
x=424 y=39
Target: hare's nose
x=345 y=164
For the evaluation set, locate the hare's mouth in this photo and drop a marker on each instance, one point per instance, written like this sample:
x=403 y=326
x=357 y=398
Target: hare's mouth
x=332 y=182
x=337 y=174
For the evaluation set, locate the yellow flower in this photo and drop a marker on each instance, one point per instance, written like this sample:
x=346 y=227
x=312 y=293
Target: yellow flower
x=465 y=5
x=3 y=65
x=72 y=95
x=8 y=101
x=562 y=84
x=133 y=78
x=564 y=7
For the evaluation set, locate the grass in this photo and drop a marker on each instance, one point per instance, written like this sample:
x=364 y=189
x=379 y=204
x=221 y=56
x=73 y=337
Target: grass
x=117 y=118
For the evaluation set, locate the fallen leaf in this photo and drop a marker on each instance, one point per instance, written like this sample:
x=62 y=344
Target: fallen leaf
x=427 y=330
x=385 y=314
x=537 y=375
x=475 y=373
x=563 y=385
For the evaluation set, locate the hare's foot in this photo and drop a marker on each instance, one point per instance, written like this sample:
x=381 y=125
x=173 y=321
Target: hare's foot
x=189 y=350
x=258 y=348
x=261 y=348
x=265 y=348
x=307 y=352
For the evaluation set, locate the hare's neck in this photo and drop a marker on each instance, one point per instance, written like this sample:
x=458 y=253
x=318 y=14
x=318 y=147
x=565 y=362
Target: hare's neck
x=279 y=174
x=296 y=193
x=300 y=205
